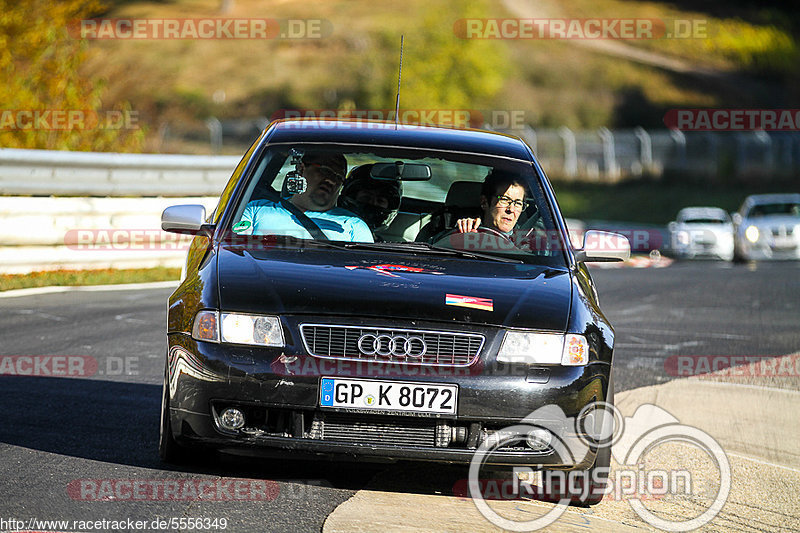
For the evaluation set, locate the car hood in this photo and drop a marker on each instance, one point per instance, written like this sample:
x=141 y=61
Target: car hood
x=389 y=285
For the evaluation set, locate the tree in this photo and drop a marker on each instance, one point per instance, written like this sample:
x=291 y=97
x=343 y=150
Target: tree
x=45 y=102
x=441 y=70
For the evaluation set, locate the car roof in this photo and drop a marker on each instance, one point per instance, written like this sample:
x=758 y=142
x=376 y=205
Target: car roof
x=702 y=212
x=403 y=135
x=758 y=199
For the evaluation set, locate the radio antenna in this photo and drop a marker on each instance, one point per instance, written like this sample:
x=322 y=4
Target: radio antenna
x=399 y=77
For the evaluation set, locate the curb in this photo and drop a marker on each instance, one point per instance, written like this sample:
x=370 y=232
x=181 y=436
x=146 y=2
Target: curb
x=52 y=289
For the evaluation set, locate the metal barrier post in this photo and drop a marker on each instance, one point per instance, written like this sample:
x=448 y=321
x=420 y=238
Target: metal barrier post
x=570 y=151
x=609 y=155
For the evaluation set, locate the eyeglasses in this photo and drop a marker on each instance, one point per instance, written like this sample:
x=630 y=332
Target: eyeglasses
x=328 y=172
x=505 y=201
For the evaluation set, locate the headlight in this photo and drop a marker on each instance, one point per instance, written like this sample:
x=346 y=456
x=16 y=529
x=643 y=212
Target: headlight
x=682 y=237
x=251 y=329
x=544 y=348
x=751 y=233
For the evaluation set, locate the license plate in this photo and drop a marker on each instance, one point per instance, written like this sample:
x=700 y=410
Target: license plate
x=388 y=395
x=784 y=243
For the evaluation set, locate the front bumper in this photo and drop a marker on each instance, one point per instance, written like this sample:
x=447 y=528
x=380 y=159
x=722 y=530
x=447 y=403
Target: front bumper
x=280 y=392
x=765 y=251
x=718 y=250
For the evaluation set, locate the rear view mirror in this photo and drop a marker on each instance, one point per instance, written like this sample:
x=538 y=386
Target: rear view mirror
x=400 y=170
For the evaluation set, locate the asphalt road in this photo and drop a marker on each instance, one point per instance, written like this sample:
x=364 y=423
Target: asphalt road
x=60 y=435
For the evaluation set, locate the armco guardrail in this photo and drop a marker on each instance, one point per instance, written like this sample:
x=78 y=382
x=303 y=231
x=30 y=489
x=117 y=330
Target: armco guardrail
x=48 y=233
x=46 y=173
x=98 y=210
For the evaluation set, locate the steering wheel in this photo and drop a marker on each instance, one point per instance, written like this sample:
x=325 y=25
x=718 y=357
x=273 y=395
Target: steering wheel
x=492 y=231
x=479 y=229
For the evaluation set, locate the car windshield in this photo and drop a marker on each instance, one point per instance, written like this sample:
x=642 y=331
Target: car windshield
x=782 y=208
x=399 y=199
x=705 y=220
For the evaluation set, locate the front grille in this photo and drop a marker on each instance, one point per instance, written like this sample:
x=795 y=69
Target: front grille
x=782 y=231
x=390 y=345
x=391 y=431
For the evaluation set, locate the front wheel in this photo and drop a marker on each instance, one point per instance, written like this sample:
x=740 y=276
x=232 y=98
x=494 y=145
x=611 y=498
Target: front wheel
x=169 y=449
x=585 y=488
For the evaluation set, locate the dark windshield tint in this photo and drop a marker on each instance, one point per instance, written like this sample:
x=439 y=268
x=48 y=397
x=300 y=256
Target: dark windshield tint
x=363 y=208
x=762 y=210
x=704 y=221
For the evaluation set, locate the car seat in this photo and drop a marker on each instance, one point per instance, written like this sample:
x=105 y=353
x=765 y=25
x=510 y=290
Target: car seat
x=463 y=201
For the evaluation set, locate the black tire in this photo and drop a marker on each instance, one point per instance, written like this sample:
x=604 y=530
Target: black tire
x=595 y=477
x=168 y=448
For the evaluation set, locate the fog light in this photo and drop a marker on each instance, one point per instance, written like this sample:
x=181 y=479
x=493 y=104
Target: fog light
x=539 y=439
x=444 y=434
x=232 y=419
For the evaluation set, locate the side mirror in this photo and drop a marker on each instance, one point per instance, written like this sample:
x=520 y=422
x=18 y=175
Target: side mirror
x=672 y=226
x=737 y=218
x=189 y=219
x=603 y=246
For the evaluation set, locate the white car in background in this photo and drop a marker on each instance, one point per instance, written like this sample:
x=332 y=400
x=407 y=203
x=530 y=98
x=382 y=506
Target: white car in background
x=767 y=226
x=702 y=232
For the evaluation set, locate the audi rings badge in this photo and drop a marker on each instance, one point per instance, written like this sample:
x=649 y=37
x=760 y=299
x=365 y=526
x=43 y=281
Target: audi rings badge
x=392 y=346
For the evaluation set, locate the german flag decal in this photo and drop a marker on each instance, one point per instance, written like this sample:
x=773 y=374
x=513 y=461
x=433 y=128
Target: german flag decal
x=484 y=304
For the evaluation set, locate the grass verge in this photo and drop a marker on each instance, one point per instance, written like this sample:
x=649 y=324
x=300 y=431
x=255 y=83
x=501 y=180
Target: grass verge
x=87 y=277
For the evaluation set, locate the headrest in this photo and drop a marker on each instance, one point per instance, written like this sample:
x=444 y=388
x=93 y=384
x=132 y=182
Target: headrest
x=464 y=194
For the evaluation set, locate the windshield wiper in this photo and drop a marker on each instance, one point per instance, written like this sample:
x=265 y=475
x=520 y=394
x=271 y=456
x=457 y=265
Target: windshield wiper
x=427 y=248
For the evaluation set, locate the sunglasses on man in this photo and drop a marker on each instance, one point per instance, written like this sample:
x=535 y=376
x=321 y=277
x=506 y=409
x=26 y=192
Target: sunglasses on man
x=327 y=172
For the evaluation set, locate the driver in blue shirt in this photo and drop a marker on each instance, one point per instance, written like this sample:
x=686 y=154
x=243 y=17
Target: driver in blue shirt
x=324 y=174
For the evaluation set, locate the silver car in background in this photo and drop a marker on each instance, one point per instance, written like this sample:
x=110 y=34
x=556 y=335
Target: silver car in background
x=767 y=226
x=702 y=232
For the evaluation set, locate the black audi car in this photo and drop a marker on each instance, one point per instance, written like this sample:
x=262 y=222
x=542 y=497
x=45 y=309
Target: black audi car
x=377 y=329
